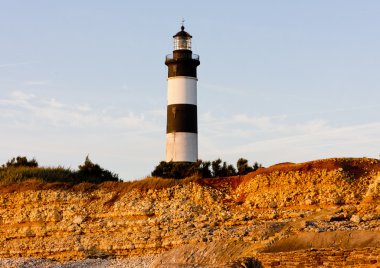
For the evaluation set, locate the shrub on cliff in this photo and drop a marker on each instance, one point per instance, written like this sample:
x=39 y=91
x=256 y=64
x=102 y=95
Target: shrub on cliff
x=201 y=169
x=175 y=170
x=216 y=168
x=243 y=167
x=21 y=161
x=204 y=169
x=222 y=170
x=20 y=169
x=91 y=172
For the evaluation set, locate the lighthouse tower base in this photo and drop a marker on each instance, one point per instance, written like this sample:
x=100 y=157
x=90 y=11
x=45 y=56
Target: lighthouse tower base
x=181 y=147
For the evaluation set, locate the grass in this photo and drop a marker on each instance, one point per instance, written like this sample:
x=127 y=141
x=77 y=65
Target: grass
x=38 y=178
x=11 y=175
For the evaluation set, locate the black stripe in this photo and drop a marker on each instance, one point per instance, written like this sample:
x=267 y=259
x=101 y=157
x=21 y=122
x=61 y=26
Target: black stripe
x=182 y=63
x=182 y=68
x=182 y=118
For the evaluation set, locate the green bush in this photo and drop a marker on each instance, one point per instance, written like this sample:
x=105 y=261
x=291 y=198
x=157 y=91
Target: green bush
x=20 y=169
x=21 y=161
x=202 y=169
x=94 y=173
x=176 y=170
x=243 y=167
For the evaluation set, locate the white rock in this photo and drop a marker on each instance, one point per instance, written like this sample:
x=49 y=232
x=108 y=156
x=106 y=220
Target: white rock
x=355 y=218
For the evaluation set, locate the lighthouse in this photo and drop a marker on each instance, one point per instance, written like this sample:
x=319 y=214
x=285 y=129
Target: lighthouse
x=182 y=125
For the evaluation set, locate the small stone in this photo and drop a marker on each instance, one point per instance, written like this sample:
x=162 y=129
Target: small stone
x=273 y=204
x=355 y=218
x=370 y=217
x=309 y=202
x=78 y=219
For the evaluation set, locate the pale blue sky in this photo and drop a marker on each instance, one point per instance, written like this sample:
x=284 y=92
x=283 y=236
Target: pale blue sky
x=279 y=81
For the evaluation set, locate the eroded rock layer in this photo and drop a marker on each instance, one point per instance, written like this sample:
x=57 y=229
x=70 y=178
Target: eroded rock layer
x=256 y=214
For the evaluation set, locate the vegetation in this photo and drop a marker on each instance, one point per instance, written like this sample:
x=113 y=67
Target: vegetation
x=21 y=161
x=203 y=169
x=91 y=172
x=165 y=174
x=20 y=169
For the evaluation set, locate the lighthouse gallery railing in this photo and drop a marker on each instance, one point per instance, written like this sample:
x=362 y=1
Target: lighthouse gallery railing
x=183 y=56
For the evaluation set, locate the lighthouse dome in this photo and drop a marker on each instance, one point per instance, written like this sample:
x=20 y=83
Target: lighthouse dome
x=182 y=33
x=182 y=40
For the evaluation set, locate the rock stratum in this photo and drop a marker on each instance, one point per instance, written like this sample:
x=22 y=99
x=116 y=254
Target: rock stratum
x=315 y=214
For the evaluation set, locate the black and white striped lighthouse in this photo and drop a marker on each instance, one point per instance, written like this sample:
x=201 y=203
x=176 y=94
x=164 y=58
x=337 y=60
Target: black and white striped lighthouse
x=182 y=126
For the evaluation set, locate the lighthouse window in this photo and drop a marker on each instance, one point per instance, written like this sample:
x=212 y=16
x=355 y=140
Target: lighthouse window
x=182 y=43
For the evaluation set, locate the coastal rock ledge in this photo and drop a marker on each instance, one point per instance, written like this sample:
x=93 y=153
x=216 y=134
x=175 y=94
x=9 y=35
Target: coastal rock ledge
x=313 y=214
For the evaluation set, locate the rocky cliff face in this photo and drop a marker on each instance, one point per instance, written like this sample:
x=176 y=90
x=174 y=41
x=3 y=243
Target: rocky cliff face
x=200 y=220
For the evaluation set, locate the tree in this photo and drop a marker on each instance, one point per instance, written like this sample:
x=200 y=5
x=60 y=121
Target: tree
x=243 y=167
x=224 y=170
x=204 y=169
x=256 y=166
x=231 y=171
x=180 y=170
x=201 y=169
x=216 y=168
x=161 y=170
x=94 y=173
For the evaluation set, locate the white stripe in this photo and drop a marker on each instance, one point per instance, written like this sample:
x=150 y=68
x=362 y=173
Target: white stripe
x=181 y=147
x=182 y=89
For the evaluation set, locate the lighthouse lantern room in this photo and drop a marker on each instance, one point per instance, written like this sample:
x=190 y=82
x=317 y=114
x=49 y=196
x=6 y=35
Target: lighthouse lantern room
x=182 y=40
x=182 y=125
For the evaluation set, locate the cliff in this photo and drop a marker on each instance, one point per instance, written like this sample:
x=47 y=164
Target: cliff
x=310 y=209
